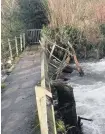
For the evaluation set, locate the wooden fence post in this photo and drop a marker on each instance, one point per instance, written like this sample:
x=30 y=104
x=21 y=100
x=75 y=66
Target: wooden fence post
x=2 y=46
x=21 y=43
x=97 y=53
x=10 y=49
x=16 y=46
x=53 y=47
x=85 y=52
x=2 y=56
x=24 y=40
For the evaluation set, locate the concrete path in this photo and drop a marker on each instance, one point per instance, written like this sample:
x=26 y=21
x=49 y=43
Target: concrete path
x=18 y=97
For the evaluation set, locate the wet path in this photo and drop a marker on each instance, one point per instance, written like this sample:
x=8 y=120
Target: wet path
x=18 y=98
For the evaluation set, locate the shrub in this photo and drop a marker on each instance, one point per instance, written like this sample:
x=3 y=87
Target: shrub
x=64 y=34
x=81 y=22
x=77 y=38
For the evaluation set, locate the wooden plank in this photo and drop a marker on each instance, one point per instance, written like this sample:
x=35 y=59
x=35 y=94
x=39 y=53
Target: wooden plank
x=53 y=47
x=21 y=43
x=48 y=93
x=16 y=46
x=53 y=55
x=31 y=35
x=33 y=29
x=61 y=65
x=2 y=56
x=41 y=101
x=56 y=45
x=42 y=110
x=24 y=42
x=53 y=65
x=10 y=49
x=43 y=70
x=36 y=35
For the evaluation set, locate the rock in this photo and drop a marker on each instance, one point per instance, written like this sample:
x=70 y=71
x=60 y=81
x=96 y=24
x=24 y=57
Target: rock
x=67 y=106
x=67 y=69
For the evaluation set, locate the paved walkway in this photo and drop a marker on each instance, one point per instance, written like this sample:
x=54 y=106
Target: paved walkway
x=18 y=98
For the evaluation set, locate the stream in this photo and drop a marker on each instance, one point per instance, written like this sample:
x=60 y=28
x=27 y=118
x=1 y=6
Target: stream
x=89 y=92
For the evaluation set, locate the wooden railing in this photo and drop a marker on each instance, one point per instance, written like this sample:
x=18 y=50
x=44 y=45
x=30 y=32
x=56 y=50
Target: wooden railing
x=44 y=98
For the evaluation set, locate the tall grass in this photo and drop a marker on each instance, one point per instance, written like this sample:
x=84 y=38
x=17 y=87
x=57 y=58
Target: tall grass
x=87 y=15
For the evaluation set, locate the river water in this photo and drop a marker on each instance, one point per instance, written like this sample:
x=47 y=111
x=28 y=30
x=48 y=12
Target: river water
x=89 y=92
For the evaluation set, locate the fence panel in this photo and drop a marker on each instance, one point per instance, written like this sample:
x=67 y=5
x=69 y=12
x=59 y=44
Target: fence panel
x=33 y=36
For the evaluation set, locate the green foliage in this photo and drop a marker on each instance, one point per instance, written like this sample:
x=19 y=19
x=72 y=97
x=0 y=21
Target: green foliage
x=102 y=29
x=65 y=34
x=49 y=33
x=11 y=24
x=3 y=85
x=33 y=13
x=60 y=127
x=77 y=38
x=17 y=16
x=74 y=35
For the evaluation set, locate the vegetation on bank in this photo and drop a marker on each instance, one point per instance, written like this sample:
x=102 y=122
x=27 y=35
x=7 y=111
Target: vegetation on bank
x=84 y=48
x=80 y=22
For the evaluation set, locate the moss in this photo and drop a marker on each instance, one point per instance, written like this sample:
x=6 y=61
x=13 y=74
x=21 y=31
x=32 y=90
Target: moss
x=3 y=85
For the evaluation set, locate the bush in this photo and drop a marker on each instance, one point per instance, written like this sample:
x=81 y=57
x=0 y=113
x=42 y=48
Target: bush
x=64 y=34
x=102 y=29
x=61 y=35
x=80 y=22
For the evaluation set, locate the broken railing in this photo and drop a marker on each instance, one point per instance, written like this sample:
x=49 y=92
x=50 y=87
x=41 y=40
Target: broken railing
x=68 y=52
x=44 y=97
